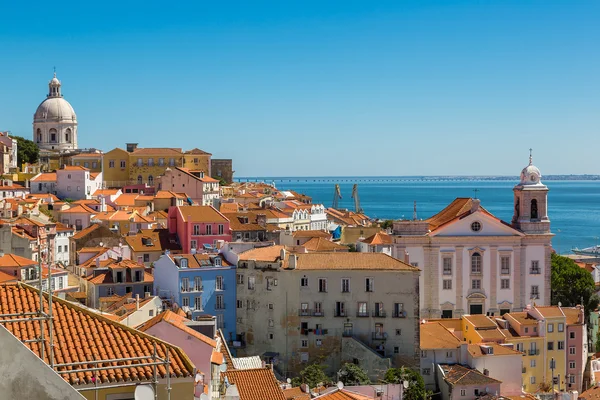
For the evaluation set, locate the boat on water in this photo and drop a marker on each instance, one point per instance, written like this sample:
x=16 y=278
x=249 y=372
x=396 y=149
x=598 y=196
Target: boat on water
x=588 y=251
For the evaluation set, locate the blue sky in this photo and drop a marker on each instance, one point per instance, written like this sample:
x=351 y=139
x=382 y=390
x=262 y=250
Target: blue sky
x=306 y=88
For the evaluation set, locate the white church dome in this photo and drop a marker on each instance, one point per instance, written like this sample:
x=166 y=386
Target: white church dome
x=55 y=109
x=531 y=175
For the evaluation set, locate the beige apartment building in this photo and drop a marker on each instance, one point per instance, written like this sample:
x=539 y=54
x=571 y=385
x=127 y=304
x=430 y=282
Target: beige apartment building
x=327 y=308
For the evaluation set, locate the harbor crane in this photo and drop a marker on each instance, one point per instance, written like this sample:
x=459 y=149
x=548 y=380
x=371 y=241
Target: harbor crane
x=337 y=194
x=356 y=199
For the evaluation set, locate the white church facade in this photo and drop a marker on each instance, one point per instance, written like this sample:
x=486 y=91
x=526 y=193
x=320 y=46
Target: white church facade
x=474 y=263
x=55 y=121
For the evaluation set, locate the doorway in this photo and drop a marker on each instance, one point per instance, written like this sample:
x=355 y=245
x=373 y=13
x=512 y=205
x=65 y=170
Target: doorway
x=475 y=309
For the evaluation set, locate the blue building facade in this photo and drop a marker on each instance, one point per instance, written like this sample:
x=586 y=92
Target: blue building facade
x=200 y=284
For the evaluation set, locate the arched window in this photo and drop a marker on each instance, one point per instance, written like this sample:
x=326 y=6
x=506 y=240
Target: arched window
x=140 y=180
x=534 y=209
x=476 y=263
x=53 y=135
x=150 y=180
x=39 y=135
x=68 y=135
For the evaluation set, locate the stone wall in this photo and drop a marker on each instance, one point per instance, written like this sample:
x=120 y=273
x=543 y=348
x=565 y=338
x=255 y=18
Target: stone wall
x=375 y=365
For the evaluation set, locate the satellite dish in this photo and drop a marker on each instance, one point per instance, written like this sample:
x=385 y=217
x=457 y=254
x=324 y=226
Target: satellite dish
x=143 y=392
x=405 y=384
x=340 y=385
x=204 y=396
x=223 y=367
x=289 y=380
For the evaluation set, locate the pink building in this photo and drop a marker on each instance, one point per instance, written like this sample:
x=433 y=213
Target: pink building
x=202 y=189
x=198 y=227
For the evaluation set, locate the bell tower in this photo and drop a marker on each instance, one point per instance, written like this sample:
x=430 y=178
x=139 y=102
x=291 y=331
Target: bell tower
x=531 y=201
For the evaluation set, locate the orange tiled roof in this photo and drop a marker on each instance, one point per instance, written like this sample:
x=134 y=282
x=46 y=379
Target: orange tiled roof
x=4 y=277
x=380 y=238
x=480 y=321
x=85 y=231
x=205 y=179
x=157 y=151
x=152 y=240
x=63 y=228
x=199 y=260
x=198 y=151
x=227 y=208
x=268 y=253
x=104 y=278
x=550 y=311
x=522 y=317
x=81 y=335
x=224 y=349
x=167 y=194
x=477 y=351
x=255 y=384
x=435 y=336
x=311 y=234
x=45 y=177
x=106 y=192
x=351 y=261
x=126 y=199
x=201 y=214
x=78 y=208
x=572 y=315
x=296 y=393
x=74 y=168
x=14 y=261
x=342 y=394
x=458 y=375
x=591 y=394
x=322 y=244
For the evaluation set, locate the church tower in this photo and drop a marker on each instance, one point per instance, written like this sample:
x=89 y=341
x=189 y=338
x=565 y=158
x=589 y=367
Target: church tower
x=55 y=122
x=531 y=201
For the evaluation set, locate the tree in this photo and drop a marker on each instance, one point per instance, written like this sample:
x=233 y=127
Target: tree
x=27 y=151
x=570 y=284
x=387 y=224
x=416 y=385
x=352 y=374
x=312 y=375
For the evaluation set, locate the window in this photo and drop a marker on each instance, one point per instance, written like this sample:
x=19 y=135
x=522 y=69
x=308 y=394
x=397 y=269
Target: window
x=61 y=282
x=345 y=285
x=532 y=363
x=151 y=162
x=111 y=163
x=322 y=285
x=447 y=263
x=94 y=164
x=463 y=392
x=140 y=180
x=398 y=332
x=251 y=281
x=505 y=284
x=198 y=303
x=532 y=380
x=60 y=249
x=318 y=342
x=219 y=304
x=239 y=304
x=447 y=284
x=398 y=310
x=198 y=283
x=550 y=345
x=396 y=350
x=209 y=229
x=86 y=164
x=505 y=265
x=426 y=371
x=150 y=313
x=571 y=335
x=146 y=257
x=449 y=354
x=561 y=327
x=196 y=230
x=534 y=209
x=535 y=267
x=220 y=229
x=379 y=311
x=572 y=364
x=561 y=345
x=140 y=162
x=362 y=310
x=304 y=343
x=123 y=164
x=185 y=301
x=535 y=294
x=571 y=379
x=185 y=284
x=303 y=357
x=304 y=281
x=369 y=284
x=476 y=263
x=271 y=336
x=150 y=180
x=270 y=306
x=79 y=188
x=318 y=309
x=340 y=309
x=219 y=283
x=171 y=162
x=270 y=282
x=550 y=328
x=68 y=188
x=476 y=226
x=476 y=284
x=240 y=279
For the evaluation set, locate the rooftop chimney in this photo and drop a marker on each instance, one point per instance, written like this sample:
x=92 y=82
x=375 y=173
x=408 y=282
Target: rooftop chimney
x=293 y=261
x=406 y=257
x=282 y=254
x=137 y=301
x=131 y=147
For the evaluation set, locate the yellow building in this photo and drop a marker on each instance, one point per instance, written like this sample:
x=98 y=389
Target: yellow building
x=91 y=161
x=141 y=166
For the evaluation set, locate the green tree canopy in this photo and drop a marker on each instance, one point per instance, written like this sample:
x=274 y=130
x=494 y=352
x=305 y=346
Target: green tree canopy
x=27 y=151
x=387 y=224
x=416 y=385
x=312 y=375
x=352 y=374
x=570 y=284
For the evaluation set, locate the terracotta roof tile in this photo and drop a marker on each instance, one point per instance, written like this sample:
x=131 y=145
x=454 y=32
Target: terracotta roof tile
x=201 y=214
x=78 y=208
x=550 y=311
x=436 y=336
x=380 y=238
x=322 y=244
x=224 y=349
x=480 y=321
x=477 y=351
x=158 y=151
x=351 y=261
x=197 y=151
x=81 y=335
x=177 y=321
x=267 y=253
x=5 y=278
x=342 y=394
x=296 y=393
x=458 y=375
x=85 y=231
x=45 y=177
x=572 y=315
x=255 y=384
x=311 y=234
x=152 y=240
x=14 y=261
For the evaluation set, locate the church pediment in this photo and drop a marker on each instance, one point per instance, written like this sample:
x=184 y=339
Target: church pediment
x=476 y=296
x=479 y=223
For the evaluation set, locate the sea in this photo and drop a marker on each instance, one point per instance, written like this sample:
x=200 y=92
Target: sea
x=573 y=205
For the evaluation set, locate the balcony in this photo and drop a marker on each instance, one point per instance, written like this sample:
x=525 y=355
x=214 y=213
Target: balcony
x=534 y=271
x=340 y=313
x=534 y=352
x=362 y=314
x=379 y=313
x=399 y=314
x=379 y=335
x=318 y=313
x=534 y=296
x=307 y=312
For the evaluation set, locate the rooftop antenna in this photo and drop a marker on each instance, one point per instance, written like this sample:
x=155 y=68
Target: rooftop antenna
x=415 y=210
x=476 y=191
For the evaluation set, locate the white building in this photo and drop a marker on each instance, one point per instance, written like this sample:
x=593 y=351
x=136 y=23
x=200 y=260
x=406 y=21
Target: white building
x=61 y=243
x=474 y=263
x=44 y=182
x=77 y=183
x=380 y=242
x=318 y=217
x=54 y=121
